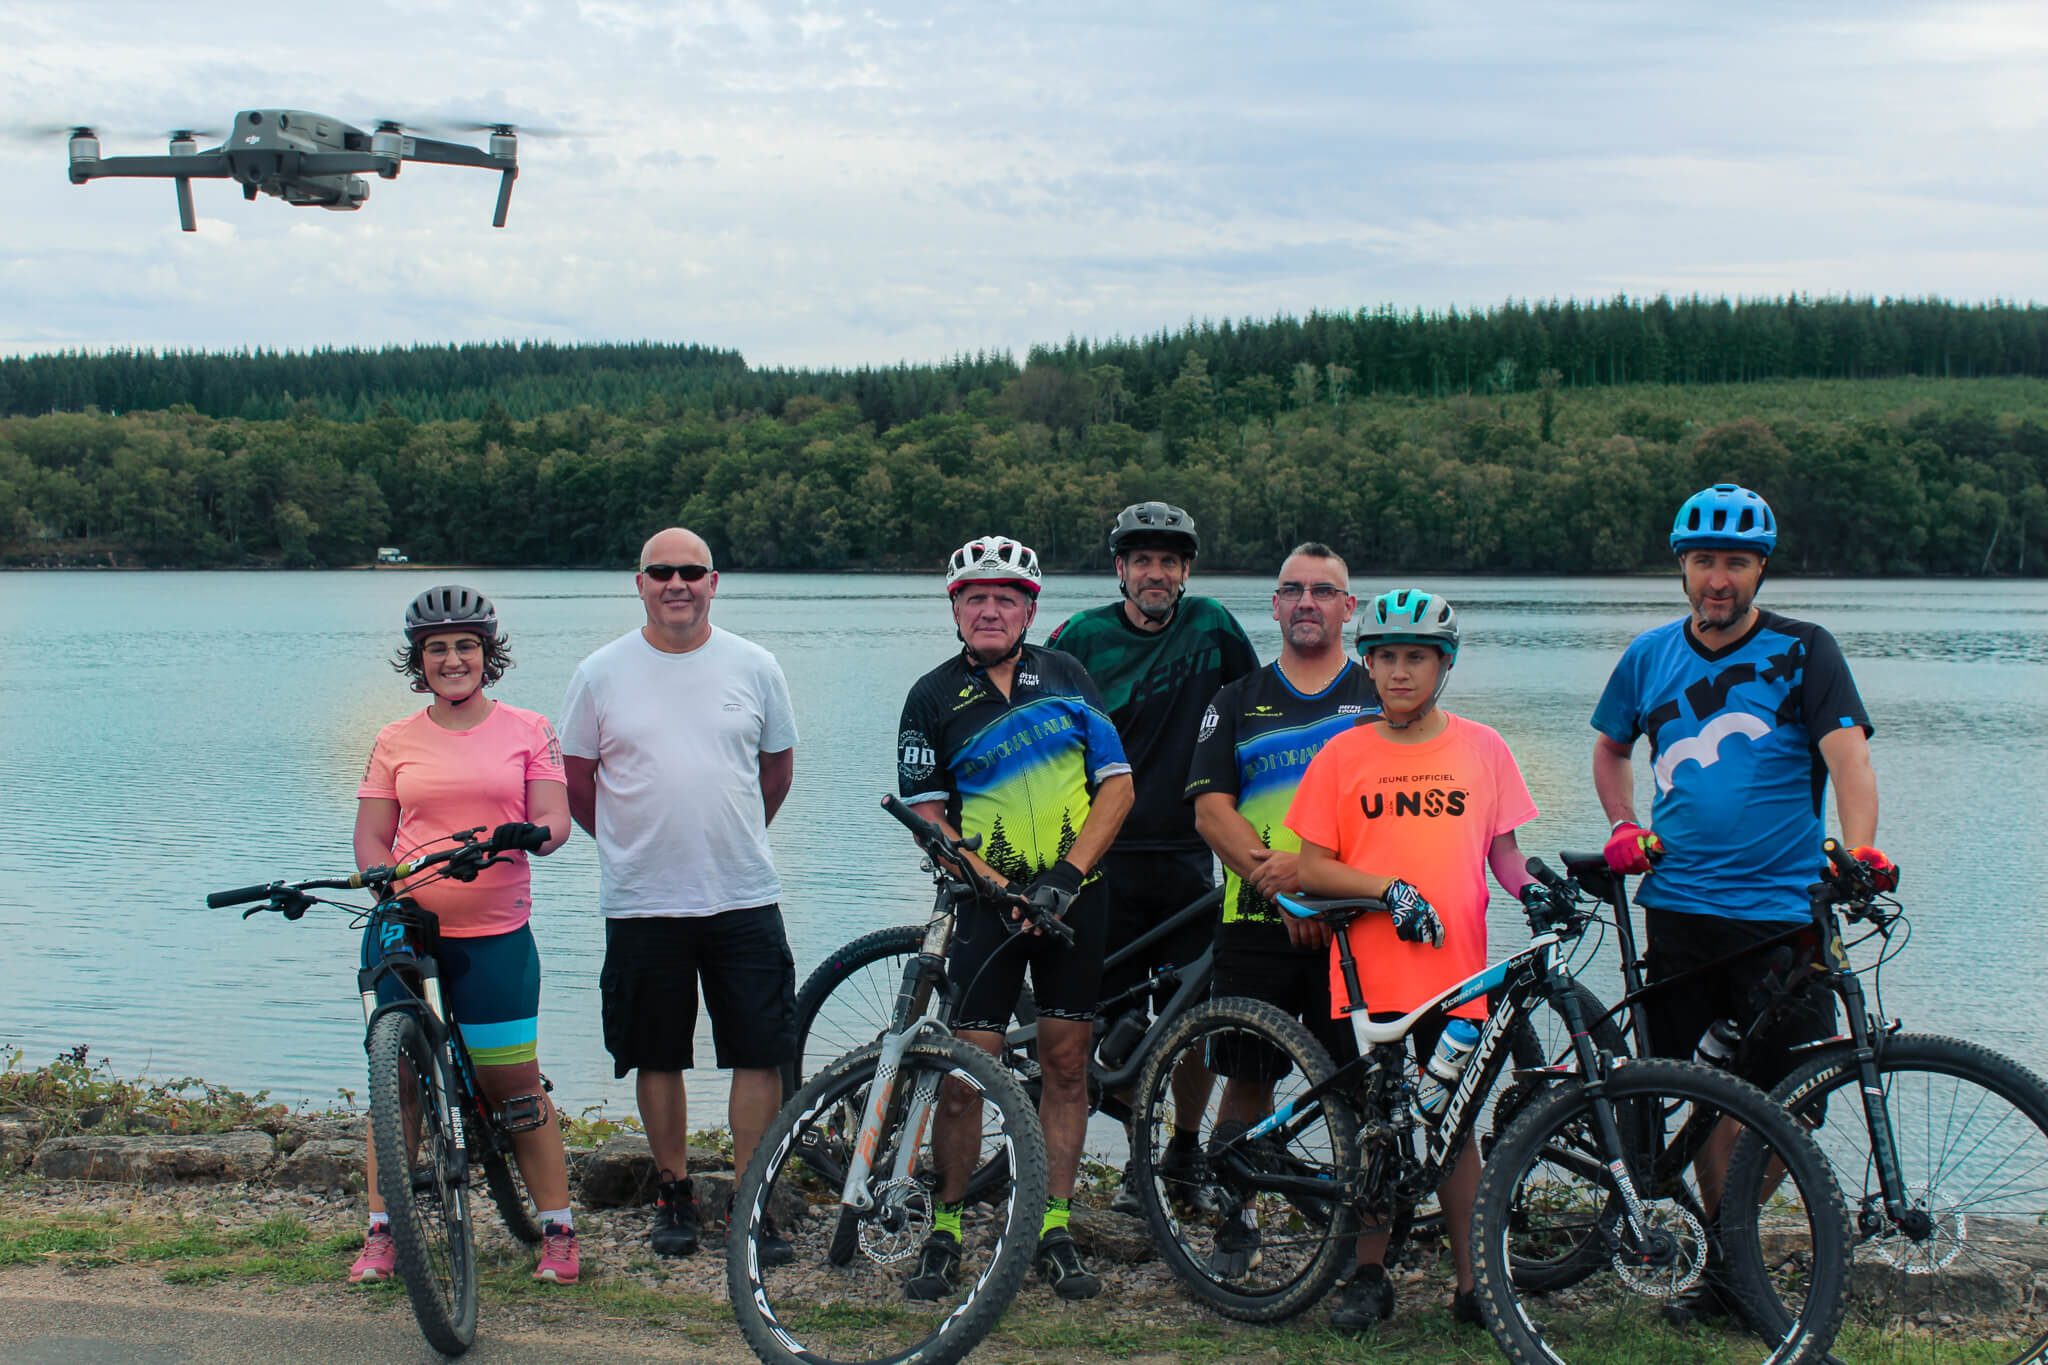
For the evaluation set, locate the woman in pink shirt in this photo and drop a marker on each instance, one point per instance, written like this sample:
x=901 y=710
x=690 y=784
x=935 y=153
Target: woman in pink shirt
x=464 y=762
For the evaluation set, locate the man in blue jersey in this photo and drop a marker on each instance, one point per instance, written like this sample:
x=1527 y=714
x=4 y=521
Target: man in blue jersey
x=1254 y=743
x=1748 y=714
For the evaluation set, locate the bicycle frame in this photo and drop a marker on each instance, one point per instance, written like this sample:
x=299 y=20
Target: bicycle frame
x=1821 y=962
x=1513 y=985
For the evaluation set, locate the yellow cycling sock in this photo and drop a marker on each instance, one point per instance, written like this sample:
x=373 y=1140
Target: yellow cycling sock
x=946 y=1218
x=1057 y=1212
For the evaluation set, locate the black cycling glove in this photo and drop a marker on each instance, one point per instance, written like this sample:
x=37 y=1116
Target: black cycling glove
x=1053 y=890
x=517 y=834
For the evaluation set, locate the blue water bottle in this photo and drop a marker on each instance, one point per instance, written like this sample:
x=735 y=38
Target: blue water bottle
x=1445 y=1066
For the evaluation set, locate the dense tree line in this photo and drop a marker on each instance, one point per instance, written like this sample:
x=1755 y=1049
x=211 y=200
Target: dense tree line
x=1871 y=476
x=1258 y=367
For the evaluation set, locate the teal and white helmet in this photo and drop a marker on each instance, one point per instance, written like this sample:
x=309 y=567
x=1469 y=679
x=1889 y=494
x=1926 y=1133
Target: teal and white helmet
x=1410 y=616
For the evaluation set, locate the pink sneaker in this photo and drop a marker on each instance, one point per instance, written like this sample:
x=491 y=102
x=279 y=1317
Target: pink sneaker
x=557 y=1255
x=379 y=1260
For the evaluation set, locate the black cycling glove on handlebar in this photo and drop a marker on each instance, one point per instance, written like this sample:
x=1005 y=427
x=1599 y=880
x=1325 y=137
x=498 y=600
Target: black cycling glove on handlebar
x=1053 y=890
x=517 y=834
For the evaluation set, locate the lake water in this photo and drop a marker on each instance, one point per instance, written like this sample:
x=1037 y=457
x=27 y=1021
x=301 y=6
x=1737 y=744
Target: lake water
x=175 y=733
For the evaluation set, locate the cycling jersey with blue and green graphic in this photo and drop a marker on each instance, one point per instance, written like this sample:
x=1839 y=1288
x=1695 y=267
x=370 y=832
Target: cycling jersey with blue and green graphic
x=1254 y=743
x=1019 y=770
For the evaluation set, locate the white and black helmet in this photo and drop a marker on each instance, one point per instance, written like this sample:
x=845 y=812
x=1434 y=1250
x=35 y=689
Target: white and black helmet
x=450 y=607
x=993 y=559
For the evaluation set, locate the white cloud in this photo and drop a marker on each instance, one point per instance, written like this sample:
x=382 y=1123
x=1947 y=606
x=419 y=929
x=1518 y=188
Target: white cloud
x=817 y=183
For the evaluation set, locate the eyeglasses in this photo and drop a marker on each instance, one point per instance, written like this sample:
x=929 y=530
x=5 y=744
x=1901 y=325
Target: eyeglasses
x=1322 y=592
x=689 y=573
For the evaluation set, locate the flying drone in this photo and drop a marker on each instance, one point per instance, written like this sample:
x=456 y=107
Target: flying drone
x=301 y=158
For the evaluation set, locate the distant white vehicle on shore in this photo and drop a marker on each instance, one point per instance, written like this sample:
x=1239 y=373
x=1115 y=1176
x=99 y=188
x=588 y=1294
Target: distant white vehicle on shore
x=391 y=554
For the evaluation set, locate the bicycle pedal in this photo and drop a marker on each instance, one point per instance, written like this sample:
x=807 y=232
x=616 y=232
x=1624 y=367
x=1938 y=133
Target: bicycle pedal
x=523 y=1113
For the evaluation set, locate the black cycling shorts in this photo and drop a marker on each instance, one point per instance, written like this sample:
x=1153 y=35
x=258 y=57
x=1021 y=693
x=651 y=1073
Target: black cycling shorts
x=987 y=965
x=1257 y=960
x=1146 y=889
x=649 y=984
x=1681 y=943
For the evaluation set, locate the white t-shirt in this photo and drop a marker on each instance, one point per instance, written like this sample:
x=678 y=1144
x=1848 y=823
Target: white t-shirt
x=678 y=740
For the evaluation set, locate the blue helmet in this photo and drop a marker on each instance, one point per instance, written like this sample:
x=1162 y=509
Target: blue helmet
x=1724 y=517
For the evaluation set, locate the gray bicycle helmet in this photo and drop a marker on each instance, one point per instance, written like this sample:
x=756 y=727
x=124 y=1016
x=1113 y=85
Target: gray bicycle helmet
x=450 y=607
x=1410 y=616
x=1160 y=525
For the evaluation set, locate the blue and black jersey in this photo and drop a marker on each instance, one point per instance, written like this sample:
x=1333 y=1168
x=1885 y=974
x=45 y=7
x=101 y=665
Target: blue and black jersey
x=1735 y=749
x=1255 y=742
x=1019 y=770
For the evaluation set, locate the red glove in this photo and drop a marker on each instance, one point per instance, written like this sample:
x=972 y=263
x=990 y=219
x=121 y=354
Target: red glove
x=1632 y=849
x=1882 y=871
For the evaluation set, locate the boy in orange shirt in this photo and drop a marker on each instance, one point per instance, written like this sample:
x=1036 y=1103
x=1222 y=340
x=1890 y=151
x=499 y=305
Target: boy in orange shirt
x=1412 y=809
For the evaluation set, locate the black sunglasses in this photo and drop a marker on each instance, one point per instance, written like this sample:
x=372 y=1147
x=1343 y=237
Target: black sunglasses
x=689 y=573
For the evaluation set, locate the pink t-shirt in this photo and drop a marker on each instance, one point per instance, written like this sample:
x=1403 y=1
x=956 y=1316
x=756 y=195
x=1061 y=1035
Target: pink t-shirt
x=449 y=780
x=1426 y=813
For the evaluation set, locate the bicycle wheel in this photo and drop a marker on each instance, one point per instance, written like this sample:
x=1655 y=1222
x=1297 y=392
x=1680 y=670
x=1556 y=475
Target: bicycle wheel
x=1553 y=1179
x=417 y=1161
x=848 y=999
x=817 y=1312
x=1541 y=1038
x=1257 y=1255
x=1971 y=1129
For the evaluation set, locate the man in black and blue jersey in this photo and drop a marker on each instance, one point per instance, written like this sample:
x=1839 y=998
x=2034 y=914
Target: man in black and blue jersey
x=1253 y=744
x=1748 y=714
x=1010 y=741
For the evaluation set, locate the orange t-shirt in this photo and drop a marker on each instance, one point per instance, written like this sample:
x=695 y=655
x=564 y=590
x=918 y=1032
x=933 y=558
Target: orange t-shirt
x=1426 y=813
x=449 y=780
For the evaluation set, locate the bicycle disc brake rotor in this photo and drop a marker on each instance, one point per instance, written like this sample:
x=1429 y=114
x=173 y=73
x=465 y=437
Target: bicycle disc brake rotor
x=901 y=1220
x=1679 y=1242
x=1942 y=1246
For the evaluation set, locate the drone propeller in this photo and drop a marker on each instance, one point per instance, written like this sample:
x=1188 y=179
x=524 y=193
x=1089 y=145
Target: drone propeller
x=41 y=132
x=510 y=129
x=192 y=134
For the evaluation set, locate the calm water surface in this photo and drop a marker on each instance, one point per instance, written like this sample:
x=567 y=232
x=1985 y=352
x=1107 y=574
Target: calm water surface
x=173 y=734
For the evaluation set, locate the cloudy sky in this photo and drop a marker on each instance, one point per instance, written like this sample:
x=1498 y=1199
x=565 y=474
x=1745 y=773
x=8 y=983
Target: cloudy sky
x=828 y=184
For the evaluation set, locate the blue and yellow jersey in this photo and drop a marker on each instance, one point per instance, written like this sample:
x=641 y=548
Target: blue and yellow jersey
x=1254 y=743
x=1019 y=770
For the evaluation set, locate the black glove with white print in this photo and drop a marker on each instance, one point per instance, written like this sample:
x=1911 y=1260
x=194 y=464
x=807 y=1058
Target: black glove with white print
x=1414 y=918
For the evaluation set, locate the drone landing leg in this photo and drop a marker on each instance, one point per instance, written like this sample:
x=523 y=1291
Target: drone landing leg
x=504 y=194
x=185 y=205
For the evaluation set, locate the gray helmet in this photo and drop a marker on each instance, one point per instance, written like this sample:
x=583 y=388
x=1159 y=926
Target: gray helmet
x=450 y=607
x=1158 y=524
x=1410 y=616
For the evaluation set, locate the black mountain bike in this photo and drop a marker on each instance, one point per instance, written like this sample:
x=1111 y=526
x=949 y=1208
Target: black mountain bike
x=1594 y=1173
x=857 y=1141
x=431 y=1127
x=848 y=1000
x=1940 y=1145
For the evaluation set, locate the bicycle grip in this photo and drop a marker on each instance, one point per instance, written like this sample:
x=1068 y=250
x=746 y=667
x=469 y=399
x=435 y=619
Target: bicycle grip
x=1540 y=870
x=1839 y=856
x=239 y=896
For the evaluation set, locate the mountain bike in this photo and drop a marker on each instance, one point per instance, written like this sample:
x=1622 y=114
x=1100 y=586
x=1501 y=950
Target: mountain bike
x=848 y=999
x=862 y=1129
x=1939 y=1144
x=431 y=1126
x=1595 y=1167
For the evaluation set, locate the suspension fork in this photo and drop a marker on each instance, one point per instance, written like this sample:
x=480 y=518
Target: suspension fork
x=1884 y=1148
x=919 y=989
x=1593 y=1069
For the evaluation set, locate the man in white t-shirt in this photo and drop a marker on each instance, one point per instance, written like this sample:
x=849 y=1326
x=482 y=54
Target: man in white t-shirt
x=680 y=744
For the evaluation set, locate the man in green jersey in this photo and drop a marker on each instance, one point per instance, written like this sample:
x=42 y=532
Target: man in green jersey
x=1254 y=743
x=1156 y=657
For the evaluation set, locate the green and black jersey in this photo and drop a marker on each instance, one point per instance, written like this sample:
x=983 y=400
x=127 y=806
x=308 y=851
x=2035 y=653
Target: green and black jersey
x=1019 y=770
x=1255 y=742
x=1155 y=684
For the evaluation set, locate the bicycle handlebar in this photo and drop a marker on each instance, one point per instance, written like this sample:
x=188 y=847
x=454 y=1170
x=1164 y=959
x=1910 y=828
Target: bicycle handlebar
x=462 y=862
x=942 y=847
x=240 y=895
